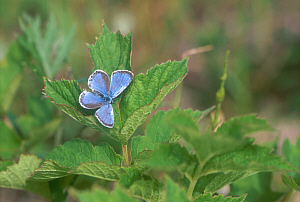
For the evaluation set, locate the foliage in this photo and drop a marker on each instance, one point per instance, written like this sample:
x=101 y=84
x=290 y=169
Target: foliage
x=175 y=159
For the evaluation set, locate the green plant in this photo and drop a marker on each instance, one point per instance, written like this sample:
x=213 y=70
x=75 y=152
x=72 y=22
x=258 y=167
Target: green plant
x=174 y=160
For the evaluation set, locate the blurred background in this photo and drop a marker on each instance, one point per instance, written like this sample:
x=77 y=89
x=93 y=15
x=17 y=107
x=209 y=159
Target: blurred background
x=263 y=66
x=264 y=38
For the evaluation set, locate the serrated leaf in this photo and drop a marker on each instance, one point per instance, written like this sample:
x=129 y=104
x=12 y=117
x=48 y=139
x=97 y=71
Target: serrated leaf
x=205 y=146
x=65 y=95
x=102 y=195
x=258 y=188
x=222 y=179
x=4 y=164
x=147 y=91
x=140 y=185
x=141 y=159
x=111 y=51
x=174 y=193
x=50 y=170
x=291 y=182
x=73 y=153
x=240 y=126
x=172 y=157
x=292 y=155
x=201 y=184
x=158 y=131
x=250 y=158
x=10 y=141
x=201 y=115
x=49 y=49
x=134 y=109
x=15 y=176
x=219 y=198
x=80 y=157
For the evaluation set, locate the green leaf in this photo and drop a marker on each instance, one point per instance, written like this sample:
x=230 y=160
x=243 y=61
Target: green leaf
x=10 y=75
x=65 y=95
x=15 y=176
x=10 y=142
x=222 y=179
x=142 y=97
x=140 y=185
x=141 y=160
x=41 y=133
x=102 y=195
x=76 y=151
x=205 y=146
x=80 y=157
x=158 y=131
x=4 y=164
x=250 y=158
x=201 y=115
x=258 y=188
x=201 y=184
x=219 y=198
x=240 y=126
x=173 y=157
x=292 y=155
x=49 y=49
x=147 y=91
x=111 y=51
x=291 y=182
x=174 y=193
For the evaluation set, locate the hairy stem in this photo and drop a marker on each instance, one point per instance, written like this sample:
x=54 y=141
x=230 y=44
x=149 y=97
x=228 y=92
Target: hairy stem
x=191 y=189
x=125 y=155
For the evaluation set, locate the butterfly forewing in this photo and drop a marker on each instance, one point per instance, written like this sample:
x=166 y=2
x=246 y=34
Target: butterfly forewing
x=106 y=115
x=89 y=100
x=99 y=81
x=120 y=79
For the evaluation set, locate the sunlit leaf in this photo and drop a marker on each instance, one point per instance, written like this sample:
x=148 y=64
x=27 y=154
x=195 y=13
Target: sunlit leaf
x=80 y=157
x=219 y=198
x=15 y=176
x=158 y=131
x=240 y=126
x=111 y=51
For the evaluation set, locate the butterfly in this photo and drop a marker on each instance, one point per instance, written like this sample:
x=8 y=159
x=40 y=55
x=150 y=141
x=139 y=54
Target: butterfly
x=103 y=93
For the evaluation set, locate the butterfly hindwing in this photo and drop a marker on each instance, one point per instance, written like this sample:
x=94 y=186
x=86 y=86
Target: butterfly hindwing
x=106 y=115
x=89 y=100
x=99 y=81
x=120 y=79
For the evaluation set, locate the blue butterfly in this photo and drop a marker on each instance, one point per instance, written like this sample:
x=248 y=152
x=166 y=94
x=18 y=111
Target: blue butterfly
x=103 y=93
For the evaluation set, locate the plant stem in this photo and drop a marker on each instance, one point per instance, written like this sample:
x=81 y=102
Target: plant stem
x=288 y=195
x=191 y=189
x=125 y=155
x=57 y=194
x=177 y=98
x=220 y=95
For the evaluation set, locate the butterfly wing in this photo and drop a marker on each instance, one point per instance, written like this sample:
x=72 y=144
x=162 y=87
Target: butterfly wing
x=89 y=100
x=106 y=115
x=120 y=79
x=99 y=81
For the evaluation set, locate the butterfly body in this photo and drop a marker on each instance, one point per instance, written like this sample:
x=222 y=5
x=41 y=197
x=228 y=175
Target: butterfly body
x=103 y=93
